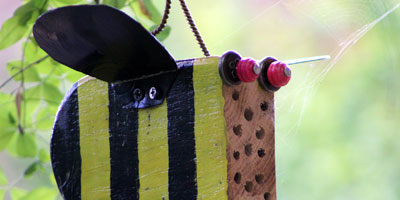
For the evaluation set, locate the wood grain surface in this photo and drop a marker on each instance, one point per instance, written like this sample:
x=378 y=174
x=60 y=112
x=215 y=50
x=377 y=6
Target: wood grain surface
x=249 y=114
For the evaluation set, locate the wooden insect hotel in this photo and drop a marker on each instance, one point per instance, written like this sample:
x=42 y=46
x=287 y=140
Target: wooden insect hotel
x=144 y=126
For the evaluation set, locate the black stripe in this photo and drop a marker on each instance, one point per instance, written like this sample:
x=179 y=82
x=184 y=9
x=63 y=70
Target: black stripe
x=64 y=147
x=182 y=184
x=123 y=147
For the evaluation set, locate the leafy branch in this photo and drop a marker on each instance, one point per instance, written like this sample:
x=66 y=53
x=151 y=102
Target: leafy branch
x=22 y=70
x=27 y=113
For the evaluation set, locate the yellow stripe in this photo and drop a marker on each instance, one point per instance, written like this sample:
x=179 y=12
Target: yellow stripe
x=210 y=130
x=153 y=152
x=94 y=138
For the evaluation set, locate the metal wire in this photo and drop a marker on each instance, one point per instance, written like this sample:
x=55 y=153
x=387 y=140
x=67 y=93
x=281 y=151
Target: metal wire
x=188 y=18
x=194 y=28
x=164 y=18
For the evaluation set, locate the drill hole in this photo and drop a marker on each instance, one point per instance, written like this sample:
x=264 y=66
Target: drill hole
x=236 y=155
x=235 y=95
x=261 y=153
x=237 y=130
x=248 y=114
x=264 y=106
x=260 y=133
x=237 y=177
x=259 y=178
x=248 y=149
x=249 y=186
x=266 y=196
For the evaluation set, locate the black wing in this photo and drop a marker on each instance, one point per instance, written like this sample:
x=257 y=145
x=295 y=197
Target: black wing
x=102 y=42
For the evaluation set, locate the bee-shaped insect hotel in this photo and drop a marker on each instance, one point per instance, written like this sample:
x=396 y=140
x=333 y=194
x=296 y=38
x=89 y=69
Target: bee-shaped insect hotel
x=144 y=126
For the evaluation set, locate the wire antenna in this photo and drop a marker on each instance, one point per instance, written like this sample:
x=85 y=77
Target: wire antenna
x=309 y=59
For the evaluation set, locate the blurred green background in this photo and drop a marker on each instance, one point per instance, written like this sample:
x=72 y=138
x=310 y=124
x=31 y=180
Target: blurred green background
x=337 y=122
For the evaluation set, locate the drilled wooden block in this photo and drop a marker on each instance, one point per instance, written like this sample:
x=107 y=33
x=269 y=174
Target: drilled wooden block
x=249 y=114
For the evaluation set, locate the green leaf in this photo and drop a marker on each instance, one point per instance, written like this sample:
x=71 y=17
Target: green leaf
x=25 y=13
x=26 y=145
x=60 y=3
x=48 y=66
x=5 y=98
x=31 y=6
x=163 y=34
x=26 y=9
x=30 y=11
x=51 y=94
x=12 y=146
x=33 y=93
x=44 y=156
x=12 y=31
x=45 y=117
x=30 y=74
x=7 y=129
x=52 y=80
x=52 y=179
x=33 y=52
x=11 y=119
x=29 y=109
x=31 y=169
x=17 y=26
x=150 y=11
x=3 y=178
x=40 y=4
x=6 y=135
x=60 y=69
x=115 y=3
x=41 y=168
x=69 y=2
x=145 y=9
x=64 y=71
x=74 y=76
x=34 y=16
x=17 y=193
x=42 y=193
x=46 y=91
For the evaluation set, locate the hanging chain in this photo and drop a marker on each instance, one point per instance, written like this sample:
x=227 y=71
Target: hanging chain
x=164 y=18
x=188 y=18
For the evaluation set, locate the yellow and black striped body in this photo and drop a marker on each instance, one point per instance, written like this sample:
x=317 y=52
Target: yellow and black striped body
x=102 y=149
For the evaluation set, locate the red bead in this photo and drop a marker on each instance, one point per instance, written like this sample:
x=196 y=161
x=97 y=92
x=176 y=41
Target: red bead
x=247 y=70
x=278 y=74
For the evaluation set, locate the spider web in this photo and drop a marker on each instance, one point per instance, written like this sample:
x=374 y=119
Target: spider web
x=316 y=76
x=342 y=23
